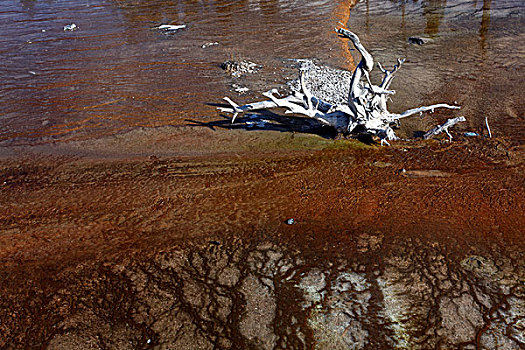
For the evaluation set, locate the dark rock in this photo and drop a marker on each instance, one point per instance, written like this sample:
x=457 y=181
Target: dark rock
x=416 y=40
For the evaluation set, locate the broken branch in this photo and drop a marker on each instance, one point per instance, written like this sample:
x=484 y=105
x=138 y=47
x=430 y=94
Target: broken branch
x=444 y=127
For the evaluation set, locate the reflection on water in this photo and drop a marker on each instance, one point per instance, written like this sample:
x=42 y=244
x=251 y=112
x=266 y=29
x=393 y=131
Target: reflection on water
x=473 y=55
x=434 y=11
x=116 y=73
x=485 y=22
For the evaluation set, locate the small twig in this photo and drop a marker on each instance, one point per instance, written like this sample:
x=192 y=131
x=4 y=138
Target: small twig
x=488 y=127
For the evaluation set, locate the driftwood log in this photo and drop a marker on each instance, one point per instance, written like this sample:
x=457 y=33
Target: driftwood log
x=365 y=110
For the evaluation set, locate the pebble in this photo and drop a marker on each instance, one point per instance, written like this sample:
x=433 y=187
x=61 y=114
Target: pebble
x=209 y=44
x=416 y=40
x=471 y=134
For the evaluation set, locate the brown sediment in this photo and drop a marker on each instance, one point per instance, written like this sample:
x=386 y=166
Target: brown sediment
x=195 y=252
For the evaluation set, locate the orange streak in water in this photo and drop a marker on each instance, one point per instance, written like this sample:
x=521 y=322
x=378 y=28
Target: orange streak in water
x=342 y=15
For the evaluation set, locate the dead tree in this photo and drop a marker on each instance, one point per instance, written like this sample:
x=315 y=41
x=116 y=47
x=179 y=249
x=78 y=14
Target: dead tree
x=366 y=108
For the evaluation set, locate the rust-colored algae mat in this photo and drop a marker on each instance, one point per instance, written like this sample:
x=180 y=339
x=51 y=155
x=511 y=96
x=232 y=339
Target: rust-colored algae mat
x=196 y=252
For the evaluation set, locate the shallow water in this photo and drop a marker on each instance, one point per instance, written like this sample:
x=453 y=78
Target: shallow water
x=115 y=73
x=473 y=54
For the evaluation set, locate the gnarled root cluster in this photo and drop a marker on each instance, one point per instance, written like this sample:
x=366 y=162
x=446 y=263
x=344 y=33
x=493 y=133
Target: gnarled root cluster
x=366 y=108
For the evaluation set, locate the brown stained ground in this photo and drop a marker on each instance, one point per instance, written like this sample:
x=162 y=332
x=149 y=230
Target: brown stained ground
x=415 y=246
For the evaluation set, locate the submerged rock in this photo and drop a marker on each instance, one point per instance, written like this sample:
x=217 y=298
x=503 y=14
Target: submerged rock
x=416 y=40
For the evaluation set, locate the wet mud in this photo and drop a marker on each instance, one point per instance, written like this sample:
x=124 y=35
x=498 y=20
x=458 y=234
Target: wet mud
x=195 y=253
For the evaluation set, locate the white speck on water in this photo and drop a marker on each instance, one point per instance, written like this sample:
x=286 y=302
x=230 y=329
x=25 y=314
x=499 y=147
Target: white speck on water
x=209 y=44
x=70 y=27
x=170 y=27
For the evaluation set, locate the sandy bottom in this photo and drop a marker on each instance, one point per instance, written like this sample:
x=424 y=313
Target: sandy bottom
x=414 y=246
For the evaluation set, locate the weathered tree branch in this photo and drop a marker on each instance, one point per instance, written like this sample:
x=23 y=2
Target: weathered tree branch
x=421 y=110
x=444 y=127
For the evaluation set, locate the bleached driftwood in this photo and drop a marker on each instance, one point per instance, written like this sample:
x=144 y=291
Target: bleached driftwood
x=444 y=128
x=365 y=110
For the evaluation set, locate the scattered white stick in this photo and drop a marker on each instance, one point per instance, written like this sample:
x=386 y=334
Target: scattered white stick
x=444 y=127
x=488 y=127
x=204 y=46
x=70 y=27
